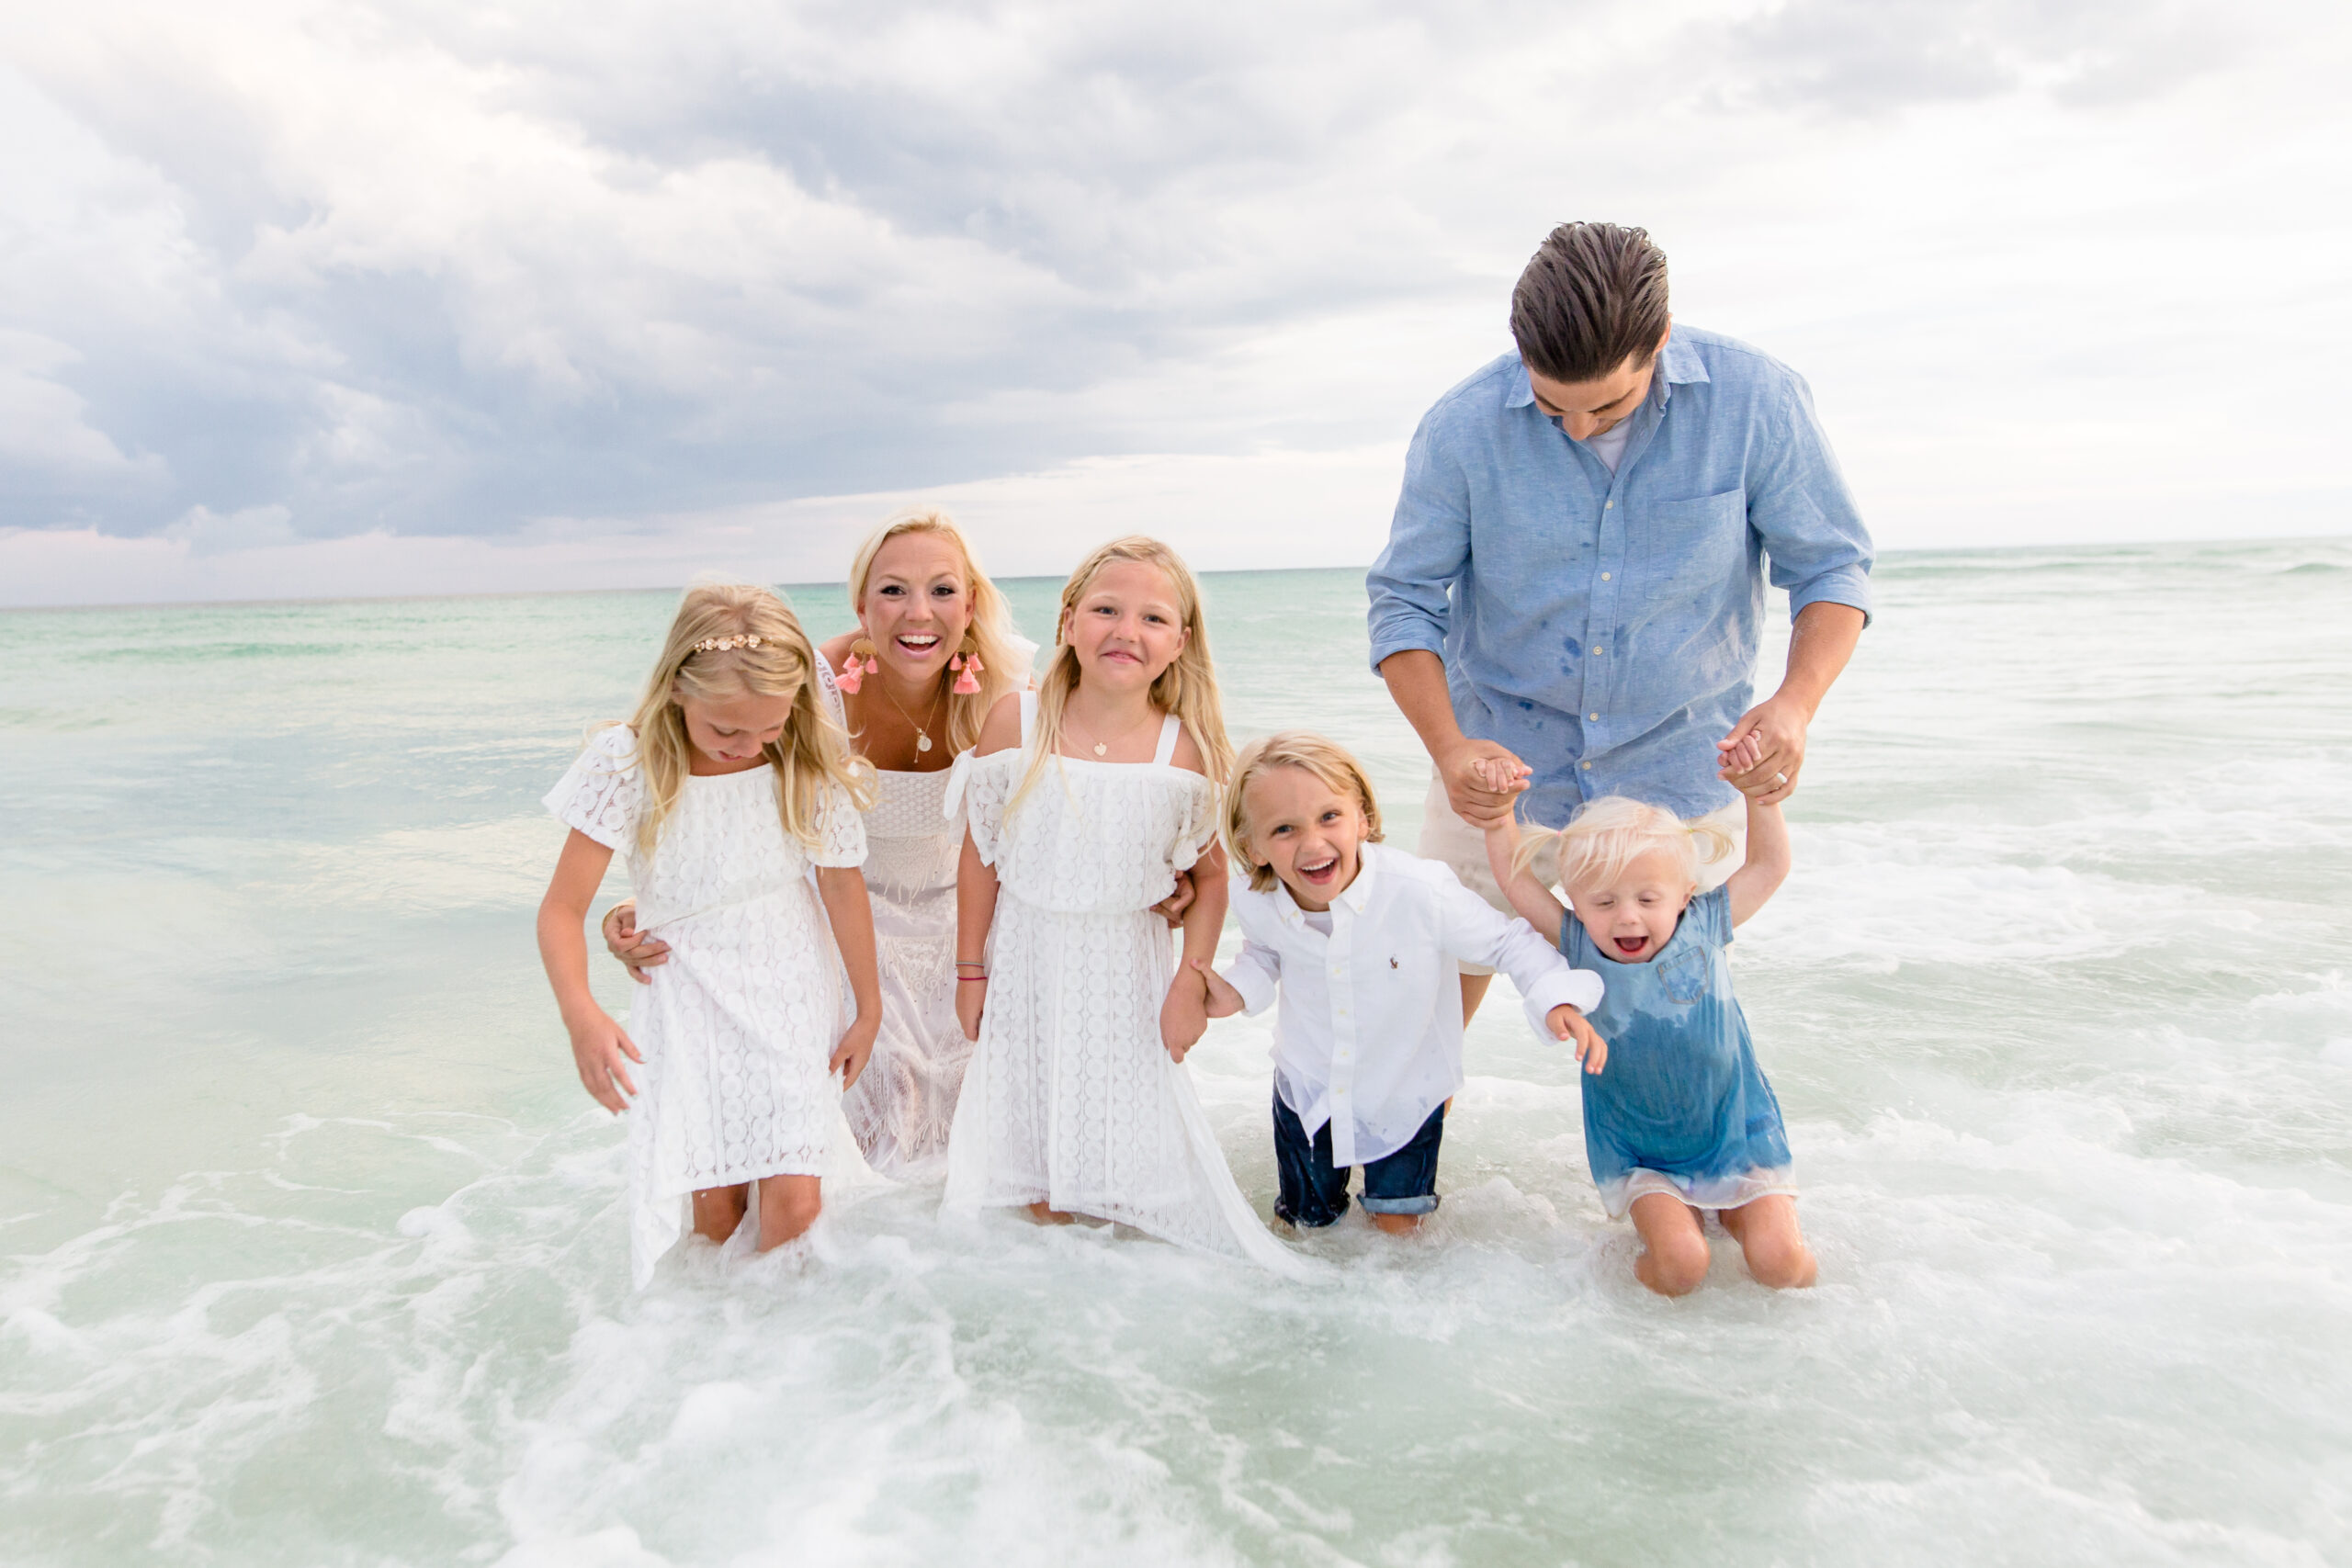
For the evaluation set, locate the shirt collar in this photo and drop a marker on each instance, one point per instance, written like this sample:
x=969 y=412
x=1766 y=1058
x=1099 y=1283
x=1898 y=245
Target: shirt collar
x=1680 y=365
x=1355 y=896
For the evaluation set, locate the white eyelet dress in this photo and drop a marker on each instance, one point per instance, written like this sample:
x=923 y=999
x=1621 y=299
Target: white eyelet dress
x=1071 y=1098
x=903 y=1105
x=737 y=1026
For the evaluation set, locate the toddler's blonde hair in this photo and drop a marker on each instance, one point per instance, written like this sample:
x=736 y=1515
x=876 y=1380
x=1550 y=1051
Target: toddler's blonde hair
x=1330 y=763
x=1002 y=670
x=1609 y=834
x=1187 y=688
x=812 y=752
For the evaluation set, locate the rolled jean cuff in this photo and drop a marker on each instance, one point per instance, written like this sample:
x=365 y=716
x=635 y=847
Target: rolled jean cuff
x=1424 y=1204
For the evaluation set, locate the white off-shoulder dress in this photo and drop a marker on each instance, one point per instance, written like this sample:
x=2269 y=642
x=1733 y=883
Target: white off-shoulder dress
x=737 y=1026
x=1071 y=1098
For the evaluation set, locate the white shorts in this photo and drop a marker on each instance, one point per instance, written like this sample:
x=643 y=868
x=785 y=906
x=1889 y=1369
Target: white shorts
x=1453 y=843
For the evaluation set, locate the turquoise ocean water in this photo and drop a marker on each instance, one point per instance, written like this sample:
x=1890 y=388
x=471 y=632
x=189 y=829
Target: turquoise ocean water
x=311 y=1250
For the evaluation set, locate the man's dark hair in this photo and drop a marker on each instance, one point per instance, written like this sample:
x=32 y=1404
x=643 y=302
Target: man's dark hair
x=1593 y=297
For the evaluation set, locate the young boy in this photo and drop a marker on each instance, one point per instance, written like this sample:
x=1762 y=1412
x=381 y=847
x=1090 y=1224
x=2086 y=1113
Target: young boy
x=1363 y=942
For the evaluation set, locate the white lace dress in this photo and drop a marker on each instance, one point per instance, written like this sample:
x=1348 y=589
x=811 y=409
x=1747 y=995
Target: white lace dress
x=904 y=1103
x=1071 y=1098
x=736 y=1027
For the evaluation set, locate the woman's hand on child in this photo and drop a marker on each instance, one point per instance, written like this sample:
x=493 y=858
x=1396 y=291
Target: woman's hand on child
x=602 y=1050
x=1184 y=1016
x=1567 y=1023
x=1224 y=1000
x=849 y=1057
x=639 y=952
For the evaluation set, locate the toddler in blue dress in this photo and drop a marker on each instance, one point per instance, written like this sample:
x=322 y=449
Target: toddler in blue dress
x=1681 y=1120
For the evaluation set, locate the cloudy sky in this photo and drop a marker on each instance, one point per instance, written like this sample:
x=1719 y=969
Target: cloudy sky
x=334 y=297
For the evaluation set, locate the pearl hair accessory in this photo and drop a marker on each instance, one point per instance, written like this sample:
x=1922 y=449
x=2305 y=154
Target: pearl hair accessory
x=723 y=644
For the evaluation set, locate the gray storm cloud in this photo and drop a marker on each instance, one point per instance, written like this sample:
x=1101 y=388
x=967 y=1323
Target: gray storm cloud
x=448 y=270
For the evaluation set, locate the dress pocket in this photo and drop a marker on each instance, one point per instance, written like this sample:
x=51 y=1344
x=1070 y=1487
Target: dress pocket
x=1683 y=978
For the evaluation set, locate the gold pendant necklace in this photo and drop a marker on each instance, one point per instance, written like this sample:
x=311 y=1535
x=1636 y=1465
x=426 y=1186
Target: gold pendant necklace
x=922 y=731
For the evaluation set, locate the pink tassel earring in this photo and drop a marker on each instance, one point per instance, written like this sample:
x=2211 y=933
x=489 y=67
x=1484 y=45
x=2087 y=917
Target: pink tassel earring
x=857 y=666
x=968 y=667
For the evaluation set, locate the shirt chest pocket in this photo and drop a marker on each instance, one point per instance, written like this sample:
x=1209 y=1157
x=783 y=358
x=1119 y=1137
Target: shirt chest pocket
x=1695 y=542
x=1683 y=978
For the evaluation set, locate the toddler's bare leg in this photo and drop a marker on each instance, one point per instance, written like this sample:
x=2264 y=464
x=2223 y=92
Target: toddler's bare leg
x=719 y=1210
x=788 y=1206
x=1674 y=1258
x=1395 y=1225
x=1768 y=1234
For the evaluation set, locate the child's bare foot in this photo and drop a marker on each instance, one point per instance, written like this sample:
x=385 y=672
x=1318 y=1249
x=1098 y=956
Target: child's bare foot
x=1047 y=1214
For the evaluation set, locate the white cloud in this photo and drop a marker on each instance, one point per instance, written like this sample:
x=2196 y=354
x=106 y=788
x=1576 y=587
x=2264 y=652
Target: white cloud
x=424 y=277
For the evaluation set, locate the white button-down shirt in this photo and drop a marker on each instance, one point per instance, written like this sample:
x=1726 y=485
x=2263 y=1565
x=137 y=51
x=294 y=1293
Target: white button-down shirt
x=1369 y=1037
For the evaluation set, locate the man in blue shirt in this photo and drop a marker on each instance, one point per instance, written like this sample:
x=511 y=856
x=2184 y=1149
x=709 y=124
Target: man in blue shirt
x=1574 y=580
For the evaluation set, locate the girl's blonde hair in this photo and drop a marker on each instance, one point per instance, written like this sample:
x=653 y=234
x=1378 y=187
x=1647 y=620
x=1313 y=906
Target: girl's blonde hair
x=770 y=656
x=1002 y=669
x=1330 y=764
x=1187 y=688
x=1609 y=834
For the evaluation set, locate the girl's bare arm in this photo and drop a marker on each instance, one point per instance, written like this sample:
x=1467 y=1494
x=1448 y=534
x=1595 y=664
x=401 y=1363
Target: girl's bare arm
x=1769 y=858
x=842 y=889
x=600 y=1047
x=1526 y=890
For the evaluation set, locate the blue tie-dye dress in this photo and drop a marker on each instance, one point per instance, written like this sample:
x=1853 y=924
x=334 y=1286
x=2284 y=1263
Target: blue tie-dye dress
x=1681 y=1107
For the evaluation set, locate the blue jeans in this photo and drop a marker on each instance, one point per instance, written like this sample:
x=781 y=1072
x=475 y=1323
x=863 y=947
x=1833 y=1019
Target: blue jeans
x=1315 y=1192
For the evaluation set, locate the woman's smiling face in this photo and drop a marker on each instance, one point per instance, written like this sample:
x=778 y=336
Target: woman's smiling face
x=918 y=604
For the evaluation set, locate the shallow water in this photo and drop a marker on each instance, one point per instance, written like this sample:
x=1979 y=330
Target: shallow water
x=313 y=1250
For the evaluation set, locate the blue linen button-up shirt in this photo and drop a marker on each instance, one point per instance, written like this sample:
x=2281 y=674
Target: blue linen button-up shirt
x=1605 y=628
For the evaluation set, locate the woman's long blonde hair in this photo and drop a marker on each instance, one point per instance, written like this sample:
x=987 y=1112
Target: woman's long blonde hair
x=1187 y=688
x=1330 y=764
x=1609 y=834
x=1002 y=669
x=812 y=752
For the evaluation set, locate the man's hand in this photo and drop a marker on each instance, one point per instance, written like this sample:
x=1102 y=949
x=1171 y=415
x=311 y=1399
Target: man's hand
x=621 y=940
x=1184 y=1016
x=1567 y=1023
x=1171 y=908
x=1483 y=781
x=1772 y=733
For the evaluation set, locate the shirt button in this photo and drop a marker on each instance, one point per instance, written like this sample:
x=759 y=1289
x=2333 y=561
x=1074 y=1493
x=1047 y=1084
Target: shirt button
x=1588 y=767
x=1592 y=715
x=1605 y=577
x=1600 y=649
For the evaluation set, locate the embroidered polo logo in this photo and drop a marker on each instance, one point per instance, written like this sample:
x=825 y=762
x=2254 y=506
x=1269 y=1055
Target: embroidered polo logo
x=1392 y=960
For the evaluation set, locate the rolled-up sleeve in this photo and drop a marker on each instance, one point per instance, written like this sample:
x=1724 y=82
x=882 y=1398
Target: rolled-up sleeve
x=1428 y=544
x=1257 y=974
x=1798 y=503
x=1477 y=932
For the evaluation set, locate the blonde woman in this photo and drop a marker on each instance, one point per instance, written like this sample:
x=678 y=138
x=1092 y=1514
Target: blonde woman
x=933 y=650
x=730 y=783
x=1085 y=799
